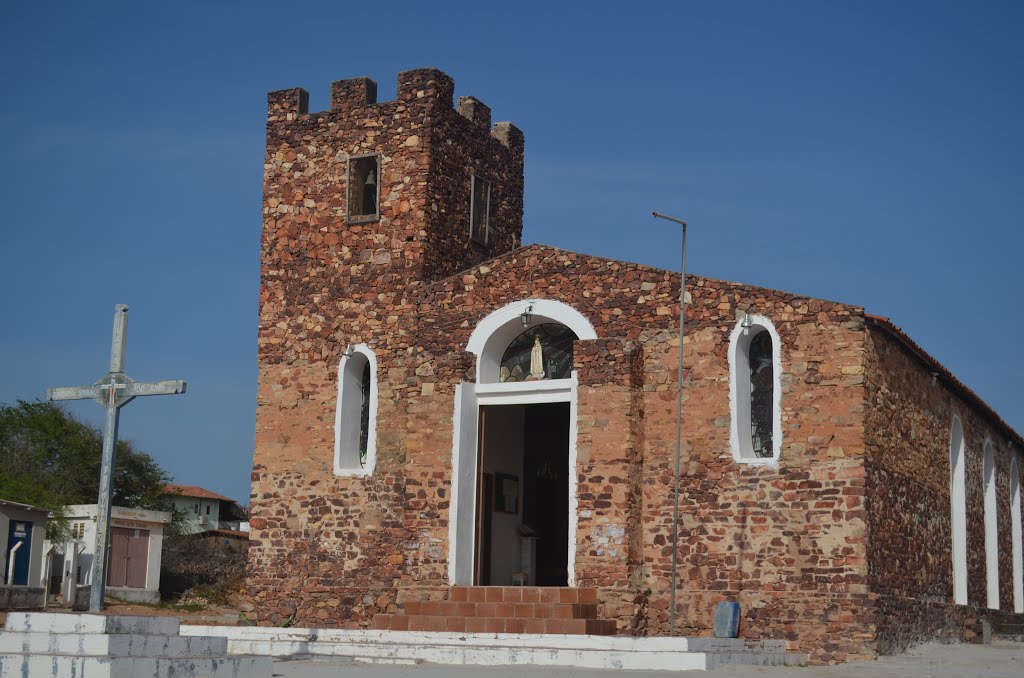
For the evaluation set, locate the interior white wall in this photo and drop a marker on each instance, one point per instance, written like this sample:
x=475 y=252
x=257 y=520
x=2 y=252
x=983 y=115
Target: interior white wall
x=1016 y=537
x=958 y=510
x=503 y=453
x=991 y=529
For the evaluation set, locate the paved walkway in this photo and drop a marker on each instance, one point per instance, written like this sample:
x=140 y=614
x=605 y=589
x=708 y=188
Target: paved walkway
x=1002 y=659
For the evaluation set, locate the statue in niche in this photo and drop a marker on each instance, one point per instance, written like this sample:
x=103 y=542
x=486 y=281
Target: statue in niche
x=541 y=352
x=537 y=360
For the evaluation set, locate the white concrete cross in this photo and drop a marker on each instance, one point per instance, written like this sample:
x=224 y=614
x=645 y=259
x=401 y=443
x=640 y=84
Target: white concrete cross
x=112 y=391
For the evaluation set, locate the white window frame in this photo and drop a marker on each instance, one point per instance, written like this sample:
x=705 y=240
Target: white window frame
x=1016 y=538
x=739 y=390
x=958 y=509
x=348 y=411
x=487 y=210
x=991 y=527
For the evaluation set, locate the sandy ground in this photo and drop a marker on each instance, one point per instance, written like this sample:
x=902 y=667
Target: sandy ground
x=211 y=615
x=1002 y=659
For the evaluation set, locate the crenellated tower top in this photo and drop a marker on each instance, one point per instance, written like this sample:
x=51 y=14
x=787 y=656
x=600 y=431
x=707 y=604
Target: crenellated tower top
x=414 y=184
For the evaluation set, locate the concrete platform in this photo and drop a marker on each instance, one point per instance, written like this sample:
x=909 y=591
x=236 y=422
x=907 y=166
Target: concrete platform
x=98 y=646
x=501 y=649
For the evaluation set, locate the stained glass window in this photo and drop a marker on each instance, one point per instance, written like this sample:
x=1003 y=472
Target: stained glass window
x=556 y=351
x=761 y=393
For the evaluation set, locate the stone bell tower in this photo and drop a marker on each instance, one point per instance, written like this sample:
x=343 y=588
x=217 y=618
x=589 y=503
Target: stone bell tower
x=374 y=197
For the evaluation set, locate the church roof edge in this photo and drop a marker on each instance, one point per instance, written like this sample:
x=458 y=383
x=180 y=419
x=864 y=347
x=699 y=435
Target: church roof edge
x=897 y=333
x=540 y=247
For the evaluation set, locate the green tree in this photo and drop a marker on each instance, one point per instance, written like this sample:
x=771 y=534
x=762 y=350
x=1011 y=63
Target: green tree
x=50 y=459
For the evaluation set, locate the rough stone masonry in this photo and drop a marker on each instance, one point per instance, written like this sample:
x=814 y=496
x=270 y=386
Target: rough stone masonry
x=840 y=547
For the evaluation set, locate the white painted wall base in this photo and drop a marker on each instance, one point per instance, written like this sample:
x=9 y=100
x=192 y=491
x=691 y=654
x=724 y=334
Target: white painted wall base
x=98 y=646
x=501 y=649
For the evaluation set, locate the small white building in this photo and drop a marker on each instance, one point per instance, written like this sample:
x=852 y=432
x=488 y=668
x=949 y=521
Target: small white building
x=23 y=529
x=203 y=510
x=136 y=544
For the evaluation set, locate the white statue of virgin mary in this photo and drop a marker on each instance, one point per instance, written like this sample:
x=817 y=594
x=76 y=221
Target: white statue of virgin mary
x=537 y=360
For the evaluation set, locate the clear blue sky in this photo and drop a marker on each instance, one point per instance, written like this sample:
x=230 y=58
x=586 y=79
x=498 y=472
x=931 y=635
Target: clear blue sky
x=868 y=152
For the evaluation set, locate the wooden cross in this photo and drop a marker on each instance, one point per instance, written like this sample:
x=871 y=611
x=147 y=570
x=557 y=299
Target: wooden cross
x=113 y=391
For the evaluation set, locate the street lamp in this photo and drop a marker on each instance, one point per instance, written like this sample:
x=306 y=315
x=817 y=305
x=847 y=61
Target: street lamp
x=679 y=422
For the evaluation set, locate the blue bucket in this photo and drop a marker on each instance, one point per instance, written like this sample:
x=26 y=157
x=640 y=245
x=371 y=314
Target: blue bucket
x=727 y=620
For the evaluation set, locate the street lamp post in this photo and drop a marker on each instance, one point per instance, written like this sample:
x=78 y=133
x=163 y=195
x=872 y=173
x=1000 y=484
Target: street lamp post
x=679 y=423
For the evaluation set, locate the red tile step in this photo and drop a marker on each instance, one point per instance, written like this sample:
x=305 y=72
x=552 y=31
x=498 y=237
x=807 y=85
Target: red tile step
x=503 y=609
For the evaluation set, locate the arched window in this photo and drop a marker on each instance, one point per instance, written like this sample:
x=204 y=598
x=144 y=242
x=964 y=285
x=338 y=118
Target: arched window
x=355 y=437
x=958 y=510
x=755 y=390
x=991 y=529
x=1015 y=535
x=541 y=352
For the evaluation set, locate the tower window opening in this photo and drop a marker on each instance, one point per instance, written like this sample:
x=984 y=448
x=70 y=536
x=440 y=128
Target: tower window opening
x=480 y=210
x=363 y=188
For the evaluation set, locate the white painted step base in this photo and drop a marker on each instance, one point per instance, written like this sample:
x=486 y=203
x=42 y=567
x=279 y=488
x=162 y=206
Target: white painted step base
x=491 y=649
x=98 y=646
x=66 y=666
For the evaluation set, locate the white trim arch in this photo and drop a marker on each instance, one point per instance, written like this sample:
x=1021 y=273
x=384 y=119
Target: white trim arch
x=347 y=413
x=496 y=331
x=739 y=390
x=1015 y=535
x=488 y=341
x=958 y=509
x=991 y=527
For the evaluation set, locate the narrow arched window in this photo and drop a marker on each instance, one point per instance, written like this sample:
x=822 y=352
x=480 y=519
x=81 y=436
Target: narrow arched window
x=364 y=414
x=991 y=529
x=1016 y=538
x=356 y=415
x=755 y=390
x=759 y=364
x=958 y=510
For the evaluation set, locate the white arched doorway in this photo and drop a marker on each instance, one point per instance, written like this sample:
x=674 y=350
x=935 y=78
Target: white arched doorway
x=491 y=412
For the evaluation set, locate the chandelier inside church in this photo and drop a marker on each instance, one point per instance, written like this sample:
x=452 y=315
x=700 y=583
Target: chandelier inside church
x=541 y=352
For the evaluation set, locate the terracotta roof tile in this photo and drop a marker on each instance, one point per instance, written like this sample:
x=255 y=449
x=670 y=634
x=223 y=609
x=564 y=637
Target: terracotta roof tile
x=194 y=491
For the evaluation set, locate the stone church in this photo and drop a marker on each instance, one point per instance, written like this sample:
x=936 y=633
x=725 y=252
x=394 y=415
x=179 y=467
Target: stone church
x=457 y=432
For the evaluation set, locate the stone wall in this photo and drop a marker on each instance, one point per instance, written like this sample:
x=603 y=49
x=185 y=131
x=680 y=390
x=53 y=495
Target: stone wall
x=907 y=436
x=821 y=548
x=784 y=540
x=332 y=548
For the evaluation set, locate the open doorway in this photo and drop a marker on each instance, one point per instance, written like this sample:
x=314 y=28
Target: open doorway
x=522 y=534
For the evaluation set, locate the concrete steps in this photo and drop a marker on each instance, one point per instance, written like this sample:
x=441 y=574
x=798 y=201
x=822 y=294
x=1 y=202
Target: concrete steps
x=504 y=609
x=99 y=646
x=502 y=649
